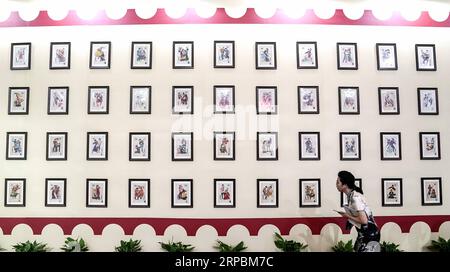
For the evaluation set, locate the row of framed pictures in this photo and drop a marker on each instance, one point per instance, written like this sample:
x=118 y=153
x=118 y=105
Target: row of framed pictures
x=224 y=146
x=223 y=100
x=182 y=192
x=224 y=55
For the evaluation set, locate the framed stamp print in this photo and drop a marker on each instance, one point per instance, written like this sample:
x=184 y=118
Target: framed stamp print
x=97 y=193
x=100 y=56
x=307 y=55
x=266 y=55
x=350 y=145
x=431 y=191
x=20 y=56
x=308 y=99
x=97 y=146
x=428 y=101
x=56 y=146
x=267 y=193
x=348 y=100
x=15 y=192
x=430 y=146
x=309 y=146
x=392 y=192
x=224 y=193
x=183 y=99
x=309 y=193
x=224 y=101
x=425 y=57
x=388 y=100
x=344 y=200
x=182 y=146
x=59 y=55
x=141 y=55
x=18 y=100
x=347 y=55
x=224 y=54
x=386 y=56
x=98 y=99
x=138 y=193
x=266 y=100
x=139 y=146
x=16 y=145
x=58 y=100
x=55 y=192
x=182 y=193
x=183 y=55
x=140 y=100
x=391 y=146
x=224 y=146
x=267 y=146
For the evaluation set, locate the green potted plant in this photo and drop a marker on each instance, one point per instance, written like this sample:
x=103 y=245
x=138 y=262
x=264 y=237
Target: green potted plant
x=390 y=247
x=171 y=246
x=343 y=247
x=222 y=247
x=74 y=245
x=129 y=246
x=440 y=245
x=30 y=247
x=288 y=245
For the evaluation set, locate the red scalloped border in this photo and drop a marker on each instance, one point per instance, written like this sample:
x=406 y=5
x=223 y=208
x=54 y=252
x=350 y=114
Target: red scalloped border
x=221 y=17
x=191 y=225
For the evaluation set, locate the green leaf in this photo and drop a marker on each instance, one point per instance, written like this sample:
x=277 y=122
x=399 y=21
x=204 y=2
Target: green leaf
x=343 y=247
x=129 y=246
x=30 y=247
x=222 y=247
x=176 y=247
x=288 y=245
x=441 y=245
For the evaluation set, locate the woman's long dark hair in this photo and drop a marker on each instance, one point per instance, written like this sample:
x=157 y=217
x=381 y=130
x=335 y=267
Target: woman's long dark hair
x=348 y=179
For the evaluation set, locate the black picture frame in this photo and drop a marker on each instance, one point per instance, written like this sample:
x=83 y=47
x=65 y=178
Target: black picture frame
x=220 y=54
x=140 y=50
x=224 y=147
x=388 y=105
x=143 y=146
x=308 y=99
x=344 y=201
x=343 y=57
x=18 y=100
x=273 y=156
x=20 y=58
x=345 y=102
x=97 y=146
x=139 y=197
x=181 y=58
x=222 y=196
x=386 y=56
x=56 y=147
x=428 y=191
x=13 y=193
x=60 y=54
x=189 y=156
x=350 y=148
x=392 y=196
x=308 y=148
x=16 y=145
x=425 y=61
x=54 y=191
x=262 y=195
x=272 y=107
x=189 y=193
x=179 y=106
x=93 y=100
x=390 y=148
x=428 y=104
x=140 y=105
x=267 y=59
x=98 y=58
x=58 y=100
x=104 y=202
x=309 y=193
x=429 y=149
x=219 y=99
x=309 y=52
